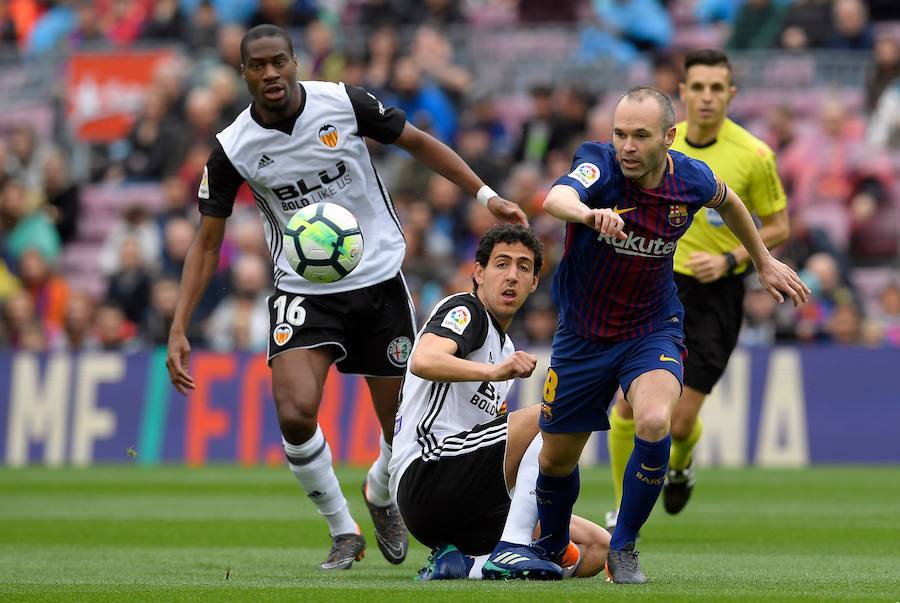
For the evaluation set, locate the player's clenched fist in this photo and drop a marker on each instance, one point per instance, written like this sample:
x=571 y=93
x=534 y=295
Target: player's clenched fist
x=606 y=222
x=520 y=364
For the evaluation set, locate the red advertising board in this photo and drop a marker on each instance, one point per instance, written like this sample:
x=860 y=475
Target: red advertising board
x=105 y=91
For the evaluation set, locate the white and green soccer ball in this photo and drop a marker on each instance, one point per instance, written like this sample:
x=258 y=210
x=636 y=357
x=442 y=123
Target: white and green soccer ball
x=323 y=242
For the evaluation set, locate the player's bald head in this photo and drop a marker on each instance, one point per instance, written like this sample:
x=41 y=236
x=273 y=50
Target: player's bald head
x=265 y=31
x=642 y=94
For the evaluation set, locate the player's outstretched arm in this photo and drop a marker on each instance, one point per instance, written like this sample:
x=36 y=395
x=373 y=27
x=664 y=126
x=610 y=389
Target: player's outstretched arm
x=434 y=360
x=564 y=203
x=443 y=160
x=775 y=277
x=199 y=267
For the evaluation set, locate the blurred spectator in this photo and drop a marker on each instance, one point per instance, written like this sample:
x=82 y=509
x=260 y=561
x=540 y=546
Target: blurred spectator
x=780 y=128
x=8 y=34
x=25 y=157
x=136 y=223
x=166 y=22
x=433 y=53
x=666 y=75
x=540 y=320
x=228 y=45
x=542 y=11
x=474 y=146
x=284 y=13
x=49 y=292
x=836 y=183
x=822 y=275
x=62 y=194
x=570 y=122
x=378 y=13
x=113 y=331
x=757 y=25
x=122 y=21
x=433 y=12
x=484 y=114
x=24 y=226
x=178 y=236
x=758 y=327
x=129 y=287
x=807 y=24
x=382 y=49
x=322 y=60
x=162 y=309
x=884 y=124
x=20 y=318
x=227 y=11
x=716 y=11
x=851 y=27
x=203 y=27
x=87 y=31
x=241 y=320
x=643 y=23
x=78 y=324
x=229 y=90
x=534 y=141
x=426 y=107
x=887 y=313
x=885 y=69
x=151 y=149
x=203 y=115
x=845 y=325
x=525 y=188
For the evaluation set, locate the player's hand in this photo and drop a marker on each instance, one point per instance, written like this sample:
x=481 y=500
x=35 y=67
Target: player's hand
x=707 y=267
x=520 y=364
x=177 y=357
x=606 y=222
x=507 y=211
x=779 y=280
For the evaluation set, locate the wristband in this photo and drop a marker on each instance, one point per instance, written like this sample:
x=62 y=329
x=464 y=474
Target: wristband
x=484 y=194
x=731 y=261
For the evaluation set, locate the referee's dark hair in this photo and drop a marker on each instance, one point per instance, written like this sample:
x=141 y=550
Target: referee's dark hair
x=509 y=233
x=710 y=57
x=265 y=30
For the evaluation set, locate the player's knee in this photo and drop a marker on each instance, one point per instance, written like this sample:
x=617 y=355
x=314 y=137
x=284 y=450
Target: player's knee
x=555 y=463
x=652 y=424
x=682 y=426
x=297 y=422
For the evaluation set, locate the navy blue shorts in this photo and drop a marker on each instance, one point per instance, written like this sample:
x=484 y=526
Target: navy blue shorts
x=584 y=375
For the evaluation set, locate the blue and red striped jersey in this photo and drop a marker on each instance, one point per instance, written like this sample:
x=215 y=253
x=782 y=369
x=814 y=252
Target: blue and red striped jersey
x=609 y=289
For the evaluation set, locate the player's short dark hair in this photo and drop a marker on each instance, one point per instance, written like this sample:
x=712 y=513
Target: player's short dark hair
x=639 y=93
x=265 y=30
x=509 y=233
x=710 y=57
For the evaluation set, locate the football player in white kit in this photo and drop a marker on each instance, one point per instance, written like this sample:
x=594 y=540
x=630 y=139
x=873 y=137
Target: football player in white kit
x=296 y=144
x=457 y=453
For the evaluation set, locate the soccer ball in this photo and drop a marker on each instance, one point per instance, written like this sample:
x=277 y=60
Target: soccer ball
x=323 y=242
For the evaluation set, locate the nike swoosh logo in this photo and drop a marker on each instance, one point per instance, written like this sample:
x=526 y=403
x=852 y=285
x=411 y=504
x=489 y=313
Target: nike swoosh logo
x=646 y=468
x=665 y=358
x=624 y=210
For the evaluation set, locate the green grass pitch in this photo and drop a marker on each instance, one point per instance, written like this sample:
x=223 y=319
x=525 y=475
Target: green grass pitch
x=135 y=534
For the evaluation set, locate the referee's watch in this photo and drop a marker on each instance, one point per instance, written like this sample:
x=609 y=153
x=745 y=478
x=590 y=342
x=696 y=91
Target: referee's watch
x=731 y=261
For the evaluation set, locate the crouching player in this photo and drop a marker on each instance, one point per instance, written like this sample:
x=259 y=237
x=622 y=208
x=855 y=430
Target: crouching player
x=463 y=471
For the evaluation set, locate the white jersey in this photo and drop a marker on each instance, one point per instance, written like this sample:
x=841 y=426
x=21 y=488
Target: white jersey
x=432 y=413
x=318 y=154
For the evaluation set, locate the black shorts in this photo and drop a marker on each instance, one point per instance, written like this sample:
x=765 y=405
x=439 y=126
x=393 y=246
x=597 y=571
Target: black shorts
x=712 y=320
x=370 y=329
x=460 y=500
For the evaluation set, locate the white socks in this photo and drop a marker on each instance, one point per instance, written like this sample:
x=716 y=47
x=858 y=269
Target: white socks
x=479 y=561
x=523 y=512
x=377 y=481
x=310 y=462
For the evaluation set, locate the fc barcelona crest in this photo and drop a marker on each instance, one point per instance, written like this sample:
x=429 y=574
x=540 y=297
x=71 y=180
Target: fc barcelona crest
x=328 y=134
x=678 y=214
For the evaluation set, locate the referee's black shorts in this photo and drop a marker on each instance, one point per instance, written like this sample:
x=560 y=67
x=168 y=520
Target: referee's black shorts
x=712 y=321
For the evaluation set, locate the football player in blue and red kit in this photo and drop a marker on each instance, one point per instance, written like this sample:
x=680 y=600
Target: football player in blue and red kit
x=620 y=321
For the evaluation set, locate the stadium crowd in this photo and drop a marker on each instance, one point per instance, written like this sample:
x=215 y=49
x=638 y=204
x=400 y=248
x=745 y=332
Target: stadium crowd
x=93 y=237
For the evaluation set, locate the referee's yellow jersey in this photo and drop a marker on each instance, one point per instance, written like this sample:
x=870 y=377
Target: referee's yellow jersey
x=747 y=165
